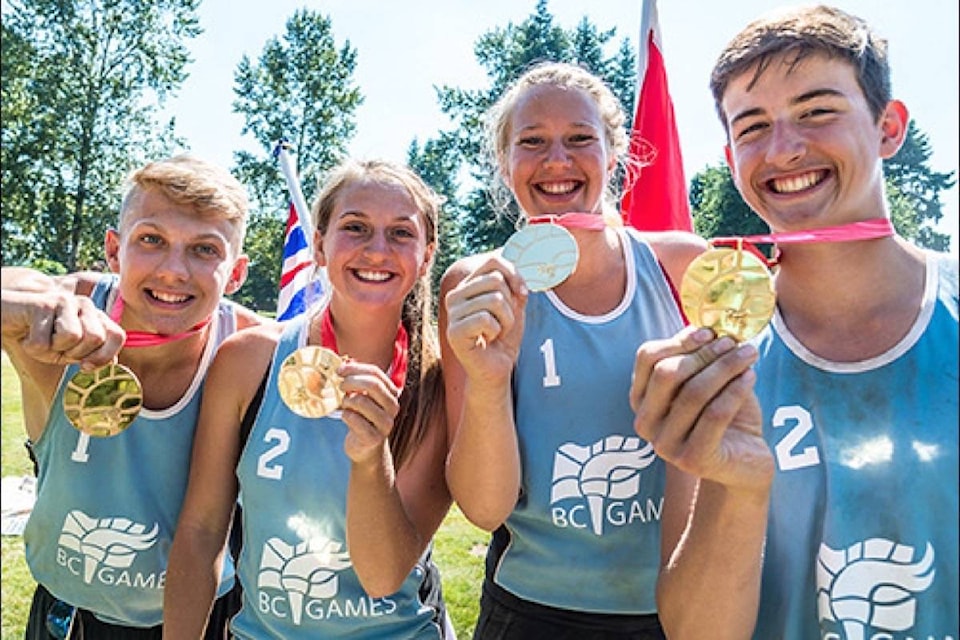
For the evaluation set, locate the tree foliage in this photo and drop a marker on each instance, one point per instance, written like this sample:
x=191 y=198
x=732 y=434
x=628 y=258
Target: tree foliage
x=82 y=82
x=913 y=194
x=300 y=89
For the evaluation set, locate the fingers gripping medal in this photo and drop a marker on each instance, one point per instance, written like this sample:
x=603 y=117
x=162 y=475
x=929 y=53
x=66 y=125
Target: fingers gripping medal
x=730 y=291
x=308 y=382
x=104 y=402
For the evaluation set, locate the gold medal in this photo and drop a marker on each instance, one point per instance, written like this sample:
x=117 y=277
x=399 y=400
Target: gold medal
x=103 y=402
x=730 y=291
x=308 y=382
x=544 y=254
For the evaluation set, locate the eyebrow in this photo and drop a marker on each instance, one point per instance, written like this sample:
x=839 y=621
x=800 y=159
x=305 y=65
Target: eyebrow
x=802 y=98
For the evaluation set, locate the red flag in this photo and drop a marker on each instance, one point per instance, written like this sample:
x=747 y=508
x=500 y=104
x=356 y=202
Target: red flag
x=655 y=194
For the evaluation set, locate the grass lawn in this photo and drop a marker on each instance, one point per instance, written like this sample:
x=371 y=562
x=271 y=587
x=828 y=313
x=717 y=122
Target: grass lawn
x=459 y=545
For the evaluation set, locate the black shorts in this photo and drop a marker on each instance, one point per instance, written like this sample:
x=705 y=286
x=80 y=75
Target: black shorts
x=50 y=619
x=503 y=616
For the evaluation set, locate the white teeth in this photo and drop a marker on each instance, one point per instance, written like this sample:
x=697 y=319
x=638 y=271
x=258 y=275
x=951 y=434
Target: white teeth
x=169 y=297
x=798 y=183
x=558 y=187
x=378 y=276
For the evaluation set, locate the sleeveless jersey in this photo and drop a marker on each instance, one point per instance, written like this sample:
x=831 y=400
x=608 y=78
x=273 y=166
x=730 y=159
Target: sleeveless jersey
x=107 y=508
x=862 y=536
x=585 y=533
x=294 y=568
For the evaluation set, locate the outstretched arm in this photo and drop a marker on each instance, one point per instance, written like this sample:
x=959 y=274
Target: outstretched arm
x=46 y=325
x=694 y=401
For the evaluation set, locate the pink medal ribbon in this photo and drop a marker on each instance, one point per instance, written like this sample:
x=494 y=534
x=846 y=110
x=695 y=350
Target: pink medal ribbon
x=146 y=338
x=591 y=221
x=863 y=230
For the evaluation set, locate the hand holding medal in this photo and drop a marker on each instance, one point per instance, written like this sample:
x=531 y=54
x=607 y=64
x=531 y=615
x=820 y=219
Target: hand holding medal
x=104 y=402
x=308 y=381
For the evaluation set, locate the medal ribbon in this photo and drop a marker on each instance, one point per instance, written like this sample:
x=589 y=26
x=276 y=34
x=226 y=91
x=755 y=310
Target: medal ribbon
x=398 y=366
x=146 y=338
x=863 y=230
x=591 y=221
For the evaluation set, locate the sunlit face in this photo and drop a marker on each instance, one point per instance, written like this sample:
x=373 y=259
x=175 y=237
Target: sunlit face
x=557 y=159
x=804 y=149
x=375 y=247
x=174 y=264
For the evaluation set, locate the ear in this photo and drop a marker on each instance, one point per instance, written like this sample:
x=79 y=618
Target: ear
x=893 y=125
x=728 y=156
x=111 y=249
x=318 y=256
x=238 y=275
x=427 y=259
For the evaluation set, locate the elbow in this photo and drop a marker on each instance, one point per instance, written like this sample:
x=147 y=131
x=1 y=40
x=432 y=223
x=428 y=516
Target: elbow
x=377 y=585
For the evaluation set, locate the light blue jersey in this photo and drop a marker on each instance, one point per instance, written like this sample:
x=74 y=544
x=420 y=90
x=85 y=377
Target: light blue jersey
x=862 y=538
x=295 y=569
x=107 y=508
x=585 y=534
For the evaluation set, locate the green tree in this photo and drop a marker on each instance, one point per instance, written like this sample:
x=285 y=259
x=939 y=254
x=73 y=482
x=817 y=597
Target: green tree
x=913 y=193
x=505 y=53
x=85 y=80
x=300 y=89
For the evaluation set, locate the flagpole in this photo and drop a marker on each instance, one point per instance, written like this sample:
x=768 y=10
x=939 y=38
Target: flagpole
x=282 y=153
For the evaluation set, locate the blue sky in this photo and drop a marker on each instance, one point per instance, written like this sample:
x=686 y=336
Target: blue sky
x=405 y=48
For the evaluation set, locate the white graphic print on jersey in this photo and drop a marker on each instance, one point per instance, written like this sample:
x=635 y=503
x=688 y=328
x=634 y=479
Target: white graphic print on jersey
x=607 y=470
x=301 y=580
x=871 y=585
x=106 y=547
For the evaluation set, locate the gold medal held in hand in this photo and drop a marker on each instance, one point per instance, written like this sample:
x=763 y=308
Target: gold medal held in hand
x=103 y=402
x=308 y=382
x=730 y=291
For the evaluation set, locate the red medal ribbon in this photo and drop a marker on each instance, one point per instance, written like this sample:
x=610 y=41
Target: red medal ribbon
x=591 y=221
x=863 y=230
x=146 y=338
x=398 y=366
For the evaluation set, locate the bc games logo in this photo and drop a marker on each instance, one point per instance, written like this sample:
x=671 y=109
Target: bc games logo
x=606 y=475
x=872 y=586
x=106 y=548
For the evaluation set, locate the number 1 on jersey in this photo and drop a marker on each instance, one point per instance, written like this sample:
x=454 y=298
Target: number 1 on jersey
x=550 y=378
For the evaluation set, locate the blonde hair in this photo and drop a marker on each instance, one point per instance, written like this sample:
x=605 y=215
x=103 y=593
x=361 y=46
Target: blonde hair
x=422 y=398
x=204 y=187
x=565 y=76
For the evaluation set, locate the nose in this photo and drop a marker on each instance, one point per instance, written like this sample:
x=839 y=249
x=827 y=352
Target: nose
x=378 y=244
x=556 y=154
x=174 y=264
x=786 y=145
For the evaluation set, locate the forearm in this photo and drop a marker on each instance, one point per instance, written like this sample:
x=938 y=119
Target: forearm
x=384 y=544
x=193 y=575
x=710 y=587
x=483 y=467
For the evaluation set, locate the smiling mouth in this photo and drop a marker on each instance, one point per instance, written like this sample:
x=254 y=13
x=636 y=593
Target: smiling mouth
x=795 y=184
x=168 y=298
x=373 y=276
x=558 y=188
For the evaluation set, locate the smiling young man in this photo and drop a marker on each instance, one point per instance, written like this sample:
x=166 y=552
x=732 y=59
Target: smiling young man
x=98 y=537
x=857 y=373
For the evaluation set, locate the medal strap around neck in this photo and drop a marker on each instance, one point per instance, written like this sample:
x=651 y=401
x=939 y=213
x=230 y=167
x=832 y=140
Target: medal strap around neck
x=863 y=230
x=589 y=221
x=147 y=338
x=398 y=366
